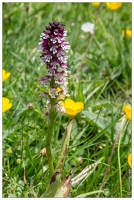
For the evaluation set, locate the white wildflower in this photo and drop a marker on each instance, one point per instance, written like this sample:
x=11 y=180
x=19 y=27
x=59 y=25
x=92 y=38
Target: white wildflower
x=88 y=27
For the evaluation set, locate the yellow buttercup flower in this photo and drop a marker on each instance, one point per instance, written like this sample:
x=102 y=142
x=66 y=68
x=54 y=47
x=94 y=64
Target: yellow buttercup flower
x=128 y=33
x=113 y=5
x=128 y=111
x=71 y=107
x=6 y=105
x=5 y=75
x=130 y=160
x=95 y=3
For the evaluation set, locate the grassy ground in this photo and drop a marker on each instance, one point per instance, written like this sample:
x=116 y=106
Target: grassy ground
x=103 y=84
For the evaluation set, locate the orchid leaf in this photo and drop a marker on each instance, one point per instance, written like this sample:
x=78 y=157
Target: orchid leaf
x=65 y=144
x=64 y=187
x=53 y=185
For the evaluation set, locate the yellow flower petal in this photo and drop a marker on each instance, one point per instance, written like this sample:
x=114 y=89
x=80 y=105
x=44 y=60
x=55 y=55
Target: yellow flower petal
x=128 y=111
x=58 y=89
x=71 y=107
x=128 y=33
x=6 y=105
x=5 y=75
x=63 y=104
x=130 y=160
x=113 y=5
x=70 y=112
x=95 y=3
x=79 y=107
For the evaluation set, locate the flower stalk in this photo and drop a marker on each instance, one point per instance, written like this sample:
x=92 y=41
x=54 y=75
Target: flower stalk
x=53 y=46
x=48 y=141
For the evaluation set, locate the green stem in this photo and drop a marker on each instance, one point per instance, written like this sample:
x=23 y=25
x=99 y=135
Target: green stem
x=119 y=164
x=48 y=138
x=8 y=164
x=48 y=148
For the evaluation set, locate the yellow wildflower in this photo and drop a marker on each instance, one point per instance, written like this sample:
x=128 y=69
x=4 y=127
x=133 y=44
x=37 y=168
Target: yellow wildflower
x=95 y=3
x=130 y=160
x=72 y=108
x=128 y=111
x=5 y=75
x=113 y=5
x=6 y=105
x=127 y=33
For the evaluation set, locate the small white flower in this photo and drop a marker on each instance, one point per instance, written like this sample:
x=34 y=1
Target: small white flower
x=55 y=65
x=88 y=27
x=47 y=58
x=53 y=48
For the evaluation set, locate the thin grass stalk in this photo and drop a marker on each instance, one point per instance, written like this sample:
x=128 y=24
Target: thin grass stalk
x=119 y=164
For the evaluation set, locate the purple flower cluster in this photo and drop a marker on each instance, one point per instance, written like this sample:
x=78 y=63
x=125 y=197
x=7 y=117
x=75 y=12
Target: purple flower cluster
x=53 y=46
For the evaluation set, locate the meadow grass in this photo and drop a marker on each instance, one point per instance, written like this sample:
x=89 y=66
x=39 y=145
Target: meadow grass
x=102 y=83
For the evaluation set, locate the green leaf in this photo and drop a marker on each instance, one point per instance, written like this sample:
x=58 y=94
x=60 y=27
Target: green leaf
x=64 y=187
x=101 y=122
x=88 y=194
x=92 y=140
x=85 y=172
x=53 y=185
x=65 y=144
